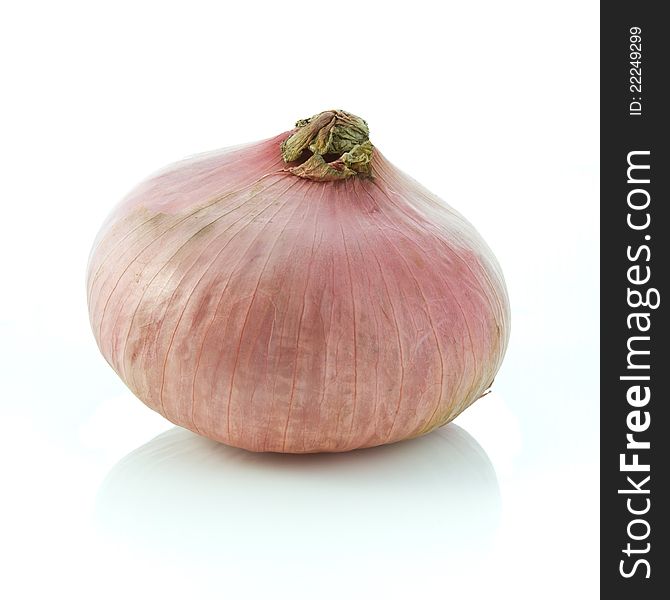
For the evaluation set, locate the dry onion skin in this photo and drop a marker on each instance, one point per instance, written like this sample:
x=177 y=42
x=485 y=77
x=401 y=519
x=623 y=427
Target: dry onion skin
x=298 y=294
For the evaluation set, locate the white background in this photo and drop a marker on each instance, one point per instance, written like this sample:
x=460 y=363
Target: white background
x=491 y=105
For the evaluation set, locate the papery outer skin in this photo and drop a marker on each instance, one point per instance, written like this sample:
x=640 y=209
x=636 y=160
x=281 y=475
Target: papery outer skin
x=274 y=313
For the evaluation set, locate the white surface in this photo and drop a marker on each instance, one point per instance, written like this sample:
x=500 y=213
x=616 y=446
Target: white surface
x=491 y=105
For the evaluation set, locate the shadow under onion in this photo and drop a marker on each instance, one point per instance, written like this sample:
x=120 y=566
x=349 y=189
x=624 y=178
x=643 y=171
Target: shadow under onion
x=187 y=494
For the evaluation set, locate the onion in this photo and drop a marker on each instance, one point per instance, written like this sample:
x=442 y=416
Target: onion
x=298 y=294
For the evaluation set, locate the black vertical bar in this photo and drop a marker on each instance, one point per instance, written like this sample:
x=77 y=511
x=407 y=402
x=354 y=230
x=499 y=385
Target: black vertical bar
x=635 y=260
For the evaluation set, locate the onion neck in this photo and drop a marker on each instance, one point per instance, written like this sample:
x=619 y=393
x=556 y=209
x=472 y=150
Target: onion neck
x=334 y=145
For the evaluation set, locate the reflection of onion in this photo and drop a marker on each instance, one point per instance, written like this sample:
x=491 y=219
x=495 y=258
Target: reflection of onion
x=438 y=492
